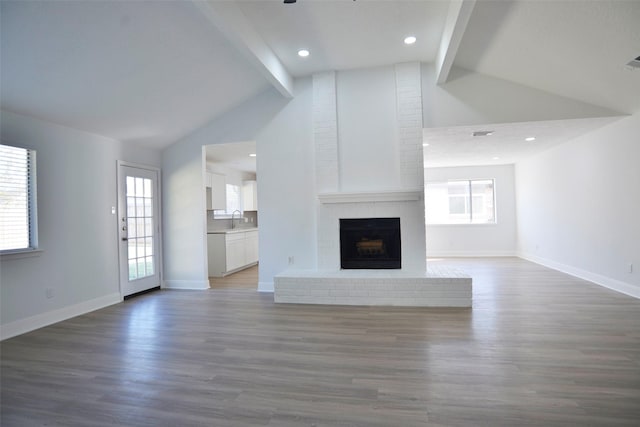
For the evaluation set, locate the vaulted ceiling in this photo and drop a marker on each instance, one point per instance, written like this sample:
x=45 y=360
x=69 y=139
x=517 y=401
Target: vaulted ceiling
x=153 y=72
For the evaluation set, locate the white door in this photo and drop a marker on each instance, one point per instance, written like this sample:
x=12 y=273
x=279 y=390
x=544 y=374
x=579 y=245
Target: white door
x=138 y=228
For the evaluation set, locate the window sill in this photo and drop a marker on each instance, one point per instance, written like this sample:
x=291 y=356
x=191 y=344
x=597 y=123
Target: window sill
x=26 y=253
x=491 y=224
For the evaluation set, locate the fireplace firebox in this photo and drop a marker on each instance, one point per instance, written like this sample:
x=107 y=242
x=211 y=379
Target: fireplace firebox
x=370 y=243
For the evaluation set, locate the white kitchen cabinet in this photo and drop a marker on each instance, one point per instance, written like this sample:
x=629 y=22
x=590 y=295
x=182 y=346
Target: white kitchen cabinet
x=231 y=251
x=235 y=251
x=251 y=245
x=218 y=191
x=250 y=195
x=207 y=184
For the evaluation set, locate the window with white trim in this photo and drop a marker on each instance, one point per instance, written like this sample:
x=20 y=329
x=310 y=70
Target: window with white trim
x=18 y=213
x=233 y=199
x=460 y=202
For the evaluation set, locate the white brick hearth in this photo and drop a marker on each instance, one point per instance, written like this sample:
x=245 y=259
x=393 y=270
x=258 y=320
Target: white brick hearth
x=438 y=287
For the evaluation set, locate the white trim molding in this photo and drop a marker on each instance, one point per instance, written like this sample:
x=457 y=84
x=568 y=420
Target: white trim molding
x=38 y=321
x=265 y=287
x=607 y=282
x=186 y=284
x=373 y=196
x=470 y=254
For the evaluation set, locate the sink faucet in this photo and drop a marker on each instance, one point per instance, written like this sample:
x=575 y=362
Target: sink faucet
x=232 y=216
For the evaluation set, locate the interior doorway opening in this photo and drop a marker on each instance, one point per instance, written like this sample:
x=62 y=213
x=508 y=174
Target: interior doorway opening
x=230 y=195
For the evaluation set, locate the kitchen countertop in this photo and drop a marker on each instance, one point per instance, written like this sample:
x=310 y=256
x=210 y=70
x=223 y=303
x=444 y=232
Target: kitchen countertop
x=233 y=230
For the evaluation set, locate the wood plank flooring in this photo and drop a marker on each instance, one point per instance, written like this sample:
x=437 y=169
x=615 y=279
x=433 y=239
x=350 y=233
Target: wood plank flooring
x=243 y=279
x=539 y=348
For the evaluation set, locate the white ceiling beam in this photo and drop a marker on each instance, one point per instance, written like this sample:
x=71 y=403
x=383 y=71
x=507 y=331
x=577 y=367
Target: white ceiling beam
x=455 y=26
x=234 y=25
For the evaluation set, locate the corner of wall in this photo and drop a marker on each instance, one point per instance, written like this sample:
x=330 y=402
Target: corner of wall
x=607 y=282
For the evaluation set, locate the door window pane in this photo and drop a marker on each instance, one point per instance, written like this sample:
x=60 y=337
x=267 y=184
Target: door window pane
x=140 y=227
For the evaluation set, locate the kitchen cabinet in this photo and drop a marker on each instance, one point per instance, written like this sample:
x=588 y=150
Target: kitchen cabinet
x=218 y=194
x=250 y=195
x=231 y=251
x=235 y=251
x=251 y=245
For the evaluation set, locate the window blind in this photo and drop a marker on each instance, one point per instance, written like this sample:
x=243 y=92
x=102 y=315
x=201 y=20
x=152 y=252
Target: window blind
x=17 y=198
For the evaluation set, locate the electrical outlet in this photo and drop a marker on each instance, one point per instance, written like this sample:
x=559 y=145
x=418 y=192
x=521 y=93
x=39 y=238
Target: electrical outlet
x=113 y=210
x=49 y=292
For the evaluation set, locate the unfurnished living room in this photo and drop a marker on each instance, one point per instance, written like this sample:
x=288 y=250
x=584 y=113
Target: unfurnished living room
x=320 y=213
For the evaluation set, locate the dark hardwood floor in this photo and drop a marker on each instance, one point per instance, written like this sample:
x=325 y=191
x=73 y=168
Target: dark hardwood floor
x=538 y=348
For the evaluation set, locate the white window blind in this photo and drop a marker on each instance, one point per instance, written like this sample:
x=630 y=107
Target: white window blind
x=17 y=199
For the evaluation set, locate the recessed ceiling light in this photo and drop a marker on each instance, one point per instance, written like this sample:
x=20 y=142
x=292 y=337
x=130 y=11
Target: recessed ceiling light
x=426 y=144
x=303 y=53
x=496 y=158
x=531 y=138
x=252 y=155
x=410 y=40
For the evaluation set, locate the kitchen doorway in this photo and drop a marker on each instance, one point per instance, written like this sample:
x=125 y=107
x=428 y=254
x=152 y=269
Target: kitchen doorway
x=231 y=203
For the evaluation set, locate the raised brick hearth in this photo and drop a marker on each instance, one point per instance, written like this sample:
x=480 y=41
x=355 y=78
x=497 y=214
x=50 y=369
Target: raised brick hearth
x=438 y=287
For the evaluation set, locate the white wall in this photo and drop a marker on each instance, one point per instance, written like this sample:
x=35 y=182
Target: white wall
x=477 y=239
x=76 y=178
x=578 y=206
x=183 y=202
x=287 y=196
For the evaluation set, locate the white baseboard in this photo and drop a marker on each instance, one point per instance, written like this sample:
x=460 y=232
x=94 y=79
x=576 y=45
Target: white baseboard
x=265 y=287
x=186 y=284
x=38 y=321
x=469 y=254
x=607 y=282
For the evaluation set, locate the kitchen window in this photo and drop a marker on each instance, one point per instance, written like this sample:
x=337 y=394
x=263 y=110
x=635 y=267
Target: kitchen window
x=460 y=202
x=233 y=198
x=233 y=202
x=18 y=213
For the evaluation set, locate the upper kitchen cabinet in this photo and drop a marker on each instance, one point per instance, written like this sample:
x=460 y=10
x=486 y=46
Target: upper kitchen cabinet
x=218 y=191
x=231 y=168
x=250 y=195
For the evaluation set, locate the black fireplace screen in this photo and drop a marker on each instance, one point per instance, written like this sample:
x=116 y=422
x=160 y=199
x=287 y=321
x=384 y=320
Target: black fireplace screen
x=370 y=243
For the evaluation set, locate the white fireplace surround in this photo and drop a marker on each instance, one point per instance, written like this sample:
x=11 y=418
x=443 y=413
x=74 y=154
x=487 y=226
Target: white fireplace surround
x=371 y=196
x=339 y=178
x=406 y=205
x=412 y=285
